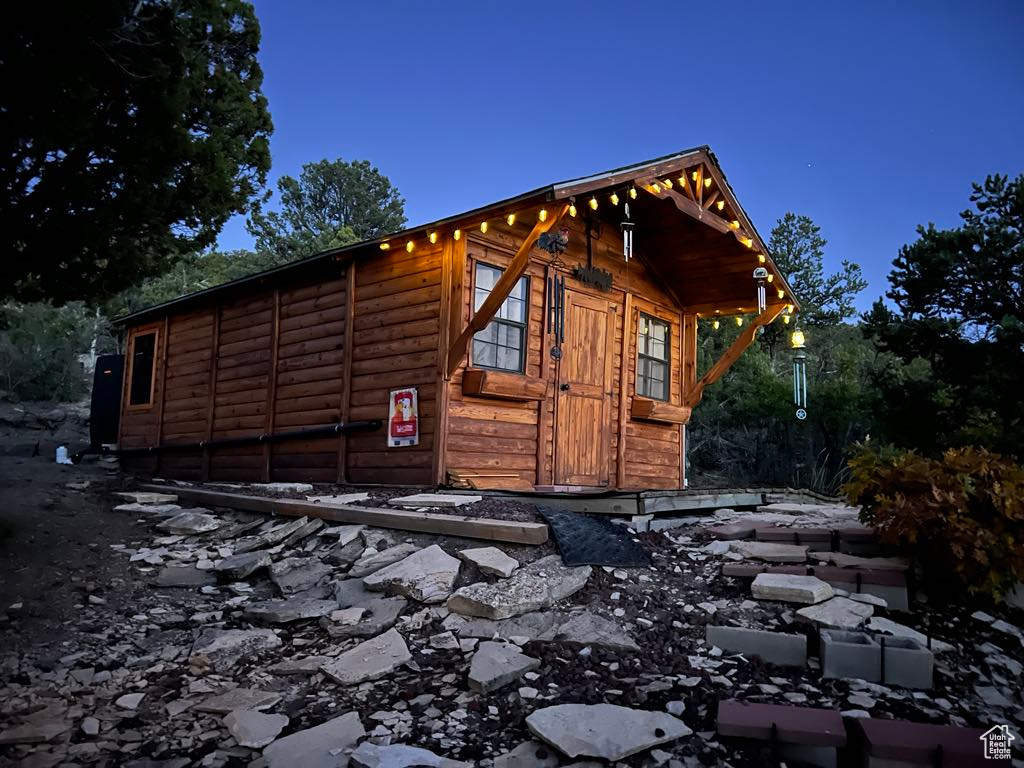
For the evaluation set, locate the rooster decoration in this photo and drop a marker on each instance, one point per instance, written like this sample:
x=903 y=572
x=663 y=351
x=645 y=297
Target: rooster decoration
x=554 y=242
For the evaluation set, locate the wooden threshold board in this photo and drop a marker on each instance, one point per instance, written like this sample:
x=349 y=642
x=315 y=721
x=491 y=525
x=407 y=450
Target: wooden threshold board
x=422 y=522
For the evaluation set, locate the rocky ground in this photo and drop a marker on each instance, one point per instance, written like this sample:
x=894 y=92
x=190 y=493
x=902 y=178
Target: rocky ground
x=148 y=637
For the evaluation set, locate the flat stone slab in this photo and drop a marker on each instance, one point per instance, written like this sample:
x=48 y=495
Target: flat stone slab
x=434 y=500
x=352 y=592
x=323 y=746
x=490 y=560
x=285 y=487
x=129 y=700
x=604 y=731
x=370 y=660
x=340 y=498
x=495 y=665
x=370 y=755
x=808 y=590
x=34 y=733
x=369 y=563
x=164 y=510
x=145 y=497
x=853 y=561
x=289 y=610
x=254 y=729
x=426 y=576
x=529 y=754
x=297 y=574
x=587 y=628
x=378 y=614
x=343 y=534
x=890 y=627
x=837 y=613
x=770 y=552
x=307 y=665
x=190 y=522
x=243 y=565
x=238 y=698
x=184 y=576
x=531 y=588
x=269 y=538
x=224 y=647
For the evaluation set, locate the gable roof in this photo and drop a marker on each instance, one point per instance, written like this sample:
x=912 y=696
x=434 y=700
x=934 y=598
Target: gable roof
x=655 y=170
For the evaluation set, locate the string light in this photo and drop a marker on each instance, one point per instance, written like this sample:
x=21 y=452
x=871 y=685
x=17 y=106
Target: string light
x=385 y=246
x=457 y=234
x=782 y=294
x=761 y=258
x=593 y=203
x=785 y=319
x=543 y=214
x=771 y=278
x=707 y=182
x=511 y=219
x=695 y=175
x=747 y=242
x=715 y=325
x=656 y=187
x=483 y=226
x=734 y=224
x=668 y=183
x=739 y=321
x=408 y=246
x=721 y=205
x=632 y=193
x=572 y=210
x=614 y=198
x=433 y=237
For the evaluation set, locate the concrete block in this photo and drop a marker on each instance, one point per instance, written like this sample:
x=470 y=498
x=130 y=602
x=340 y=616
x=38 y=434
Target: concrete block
x=850 y=654
x=773 y=647
x=815 y=536
x=907 y=662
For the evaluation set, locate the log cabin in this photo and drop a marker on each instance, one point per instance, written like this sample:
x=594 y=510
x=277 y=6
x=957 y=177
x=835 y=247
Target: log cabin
x=543 y=342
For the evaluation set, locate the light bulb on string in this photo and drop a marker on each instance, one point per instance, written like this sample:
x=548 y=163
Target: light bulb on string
x=614 y=199
x=408 y=246
x=483 y=226
x=572 y=210
x=432 y=237
x=721 y=205
x=511 y=219
x=668 y=183
x=543 y=214
x=632 y=193
x=456 y=234
x=715 y=324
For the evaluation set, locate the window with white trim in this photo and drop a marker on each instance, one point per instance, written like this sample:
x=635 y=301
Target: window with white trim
x=653 y=363
x=502 y=344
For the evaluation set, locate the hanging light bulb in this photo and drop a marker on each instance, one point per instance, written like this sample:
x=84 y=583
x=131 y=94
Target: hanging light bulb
x=593 y=203
x=739 y=321
x=715 y=325
x=668 y=183
x=695 y=175
x=747 y=242
x=785 y=318
x=761 y=258
x=543 y=214
x=433 y=237
x=614 y=199
x=799 y=374
x=385 y=246
x=707 y=182
x=511 y=219
x=797 y=340
x=720 y=204
x=734 y=224
x=782 y=294
x=632 y=193
x=483 y=226
x=456 y=234
x=408 y=246
x=656 y=187
x=572 y=210
x=771 y=278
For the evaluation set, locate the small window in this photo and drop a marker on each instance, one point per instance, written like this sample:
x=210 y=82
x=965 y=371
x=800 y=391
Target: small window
x=502 y=343
x=652 y=372
x=140 y=390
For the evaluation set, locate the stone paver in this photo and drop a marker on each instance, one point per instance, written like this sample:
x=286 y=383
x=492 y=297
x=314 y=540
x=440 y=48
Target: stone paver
x=807 y=590
x=426 y=576
x=370 y=660
x=490 y=560
x=535 y=586
x=434 y=500
x=604 y=731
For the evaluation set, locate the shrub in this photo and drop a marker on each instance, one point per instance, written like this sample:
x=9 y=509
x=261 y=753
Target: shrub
x=962 y=515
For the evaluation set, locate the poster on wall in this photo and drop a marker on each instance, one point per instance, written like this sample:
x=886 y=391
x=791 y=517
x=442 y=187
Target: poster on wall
x=403 y=418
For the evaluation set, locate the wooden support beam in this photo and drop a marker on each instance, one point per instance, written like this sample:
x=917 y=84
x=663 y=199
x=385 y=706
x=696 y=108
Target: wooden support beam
x=268 y=426
x=501 y=290
x=214 y=355
x=732 y=354
x=711 y=200
x=400 y=519
x=687 y=206
x=453 y=267
x=346 y=368
x=624 y=382
x=162 y=359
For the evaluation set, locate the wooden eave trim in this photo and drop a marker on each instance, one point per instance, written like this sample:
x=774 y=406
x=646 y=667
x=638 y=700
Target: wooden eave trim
x=626 y=175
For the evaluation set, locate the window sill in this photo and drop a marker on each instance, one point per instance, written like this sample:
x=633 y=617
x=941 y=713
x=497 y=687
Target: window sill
x=644 y=409
x=502 y=385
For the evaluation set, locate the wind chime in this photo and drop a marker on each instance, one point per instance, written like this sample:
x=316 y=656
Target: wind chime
x=761 y=276
x=799 y=374
x=627 y=235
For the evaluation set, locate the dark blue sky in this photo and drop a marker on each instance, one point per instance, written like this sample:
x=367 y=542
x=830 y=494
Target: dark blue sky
x=868 y=117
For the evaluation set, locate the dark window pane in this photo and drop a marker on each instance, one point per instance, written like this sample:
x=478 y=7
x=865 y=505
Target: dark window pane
x=143 y=348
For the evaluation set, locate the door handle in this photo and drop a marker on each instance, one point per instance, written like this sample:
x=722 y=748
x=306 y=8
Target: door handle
x=564 y=387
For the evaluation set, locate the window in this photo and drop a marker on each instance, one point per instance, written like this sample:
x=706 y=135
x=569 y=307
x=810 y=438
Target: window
x=140 y=391
x=502 y=343
x=652 y=371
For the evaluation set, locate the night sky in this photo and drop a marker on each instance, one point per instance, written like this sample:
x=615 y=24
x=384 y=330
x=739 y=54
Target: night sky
x=871 y=118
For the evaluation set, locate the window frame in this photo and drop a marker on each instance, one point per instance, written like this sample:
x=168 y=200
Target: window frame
x=524 y=325
x=153 y=331
x=667 y=383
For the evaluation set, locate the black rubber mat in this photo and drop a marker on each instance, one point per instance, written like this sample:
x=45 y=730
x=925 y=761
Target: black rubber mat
x=587 y=540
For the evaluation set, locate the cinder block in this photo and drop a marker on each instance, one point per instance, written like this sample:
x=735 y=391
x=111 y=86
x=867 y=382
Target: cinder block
x=907 y=662
x=803 y=734
x=773 y=647
x=850 y=654
x=814 y=536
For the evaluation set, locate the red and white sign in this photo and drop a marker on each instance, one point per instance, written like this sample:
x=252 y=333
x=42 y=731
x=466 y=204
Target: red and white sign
x=403 y=418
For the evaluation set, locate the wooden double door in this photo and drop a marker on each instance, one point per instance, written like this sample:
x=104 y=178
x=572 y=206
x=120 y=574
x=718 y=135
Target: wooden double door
x=583 y=392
